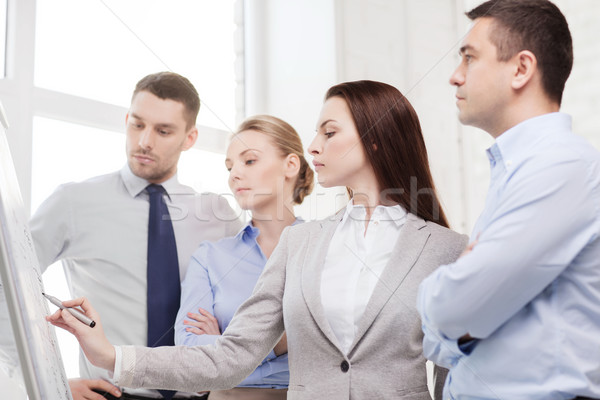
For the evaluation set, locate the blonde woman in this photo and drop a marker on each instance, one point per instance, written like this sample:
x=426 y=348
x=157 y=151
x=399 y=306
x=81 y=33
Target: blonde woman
x=268 y=174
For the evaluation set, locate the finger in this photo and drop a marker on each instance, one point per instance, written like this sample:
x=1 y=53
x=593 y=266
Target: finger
x=57 y=320
x=104 y=387
x=63 y=326
x=194 y=323
x=72 y=322
x=54 y=316
x=85 y=305
x=207 y=314
x=196 y=331
x=74 y=302
x=197 y=317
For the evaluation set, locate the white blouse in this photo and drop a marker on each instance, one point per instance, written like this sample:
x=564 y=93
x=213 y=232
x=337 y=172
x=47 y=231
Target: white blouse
x=354 y=263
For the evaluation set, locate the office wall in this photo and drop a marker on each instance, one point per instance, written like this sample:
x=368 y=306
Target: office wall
x=413 y=45
x=290 y=63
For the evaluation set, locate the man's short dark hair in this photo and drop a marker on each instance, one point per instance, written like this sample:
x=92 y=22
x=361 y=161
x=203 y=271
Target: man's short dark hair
x=534 y=25
x=172 y=86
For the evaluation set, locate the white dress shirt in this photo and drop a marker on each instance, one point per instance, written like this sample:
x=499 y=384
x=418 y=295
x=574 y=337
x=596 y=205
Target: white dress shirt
x=355 y=261
x=99 y=229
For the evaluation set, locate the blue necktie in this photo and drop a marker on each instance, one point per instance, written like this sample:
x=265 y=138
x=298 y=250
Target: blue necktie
x=164 y=288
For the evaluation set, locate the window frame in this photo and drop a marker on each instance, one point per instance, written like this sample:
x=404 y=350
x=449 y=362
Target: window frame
x=23 y=101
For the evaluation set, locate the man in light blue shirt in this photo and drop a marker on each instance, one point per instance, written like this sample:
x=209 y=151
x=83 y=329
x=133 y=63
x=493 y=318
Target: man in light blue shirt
x=518 y=315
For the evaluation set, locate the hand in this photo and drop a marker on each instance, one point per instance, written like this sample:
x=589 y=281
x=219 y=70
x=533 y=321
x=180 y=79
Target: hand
x=202 y=324
x=93 y=342
x=82 y=389
x=281 y=347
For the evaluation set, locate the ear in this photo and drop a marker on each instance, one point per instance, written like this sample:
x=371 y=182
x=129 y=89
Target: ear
x=126 y=118
x=291 y=165
x=526 y=68
x=190 y=138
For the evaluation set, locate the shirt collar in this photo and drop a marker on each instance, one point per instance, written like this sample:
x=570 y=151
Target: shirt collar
x=136 y=185
x=251 y=232
x=515 y=143
x=381 y=213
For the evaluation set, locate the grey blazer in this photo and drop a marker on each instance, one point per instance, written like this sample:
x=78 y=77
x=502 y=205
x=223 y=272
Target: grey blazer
x=384 y=362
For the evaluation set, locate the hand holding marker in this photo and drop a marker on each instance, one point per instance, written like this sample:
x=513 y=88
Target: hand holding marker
x=74 y=311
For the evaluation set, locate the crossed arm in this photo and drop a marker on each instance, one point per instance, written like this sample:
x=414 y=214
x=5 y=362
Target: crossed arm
x=535 y=232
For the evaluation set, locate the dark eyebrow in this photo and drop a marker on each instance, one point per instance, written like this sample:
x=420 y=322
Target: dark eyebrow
x=465 y=48
x=160 y=125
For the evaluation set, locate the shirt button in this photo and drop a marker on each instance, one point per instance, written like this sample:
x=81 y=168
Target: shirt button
x=344 y=366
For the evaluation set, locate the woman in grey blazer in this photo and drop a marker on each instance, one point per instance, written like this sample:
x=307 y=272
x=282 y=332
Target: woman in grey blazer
x=344 y=288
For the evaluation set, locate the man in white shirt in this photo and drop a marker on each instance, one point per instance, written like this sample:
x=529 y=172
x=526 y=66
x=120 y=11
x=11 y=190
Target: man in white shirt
x=99 y=228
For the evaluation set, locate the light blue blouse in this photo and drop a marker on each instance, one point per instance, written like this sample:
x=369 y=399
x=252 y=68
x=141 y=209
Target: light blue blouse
x=220 y=277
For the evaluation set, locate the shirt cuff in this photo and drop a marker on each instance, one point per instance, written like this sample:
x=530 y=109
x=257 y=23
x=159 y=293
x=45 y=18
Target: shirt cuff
x=440 y=349
x=124 y=365
x=117 y=369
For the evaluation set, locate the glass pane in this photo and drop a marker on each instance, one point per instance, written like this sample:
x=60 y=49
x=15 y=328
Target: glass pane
x=205 y=171
x=65 y=152
x=3 y=27
x=100 y=49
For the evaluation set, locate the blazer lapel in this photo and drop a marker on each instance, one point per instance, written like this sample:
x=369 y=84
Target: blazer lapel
x=318 y=246
x=406 y=252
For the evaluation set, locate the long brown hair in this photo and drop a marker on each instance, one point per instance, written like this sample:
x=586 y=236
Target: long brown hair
x=391 y=137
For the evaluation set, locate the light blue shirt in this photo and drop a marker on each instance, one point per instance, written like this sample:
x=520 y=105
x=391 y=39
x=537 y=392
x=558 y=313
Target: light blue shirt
x=530 y=289
x=220 y=277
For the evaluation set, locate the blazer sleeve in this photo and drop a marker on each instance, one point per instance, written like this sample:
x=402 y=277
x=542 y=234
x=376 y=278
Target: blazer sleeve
x=254 y=330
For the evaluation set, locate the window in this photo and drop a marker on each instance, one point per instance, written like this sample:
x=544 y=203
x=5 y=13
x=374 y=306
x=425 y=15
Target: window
x=3 y=38
x=88 y=57
x=100 y=49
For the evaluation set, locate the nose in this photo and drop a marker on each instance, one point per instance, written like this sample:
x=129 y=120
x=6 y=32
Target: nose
x=234 y=172
x=315 y=147
x=458 y=77
x=146 y=139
